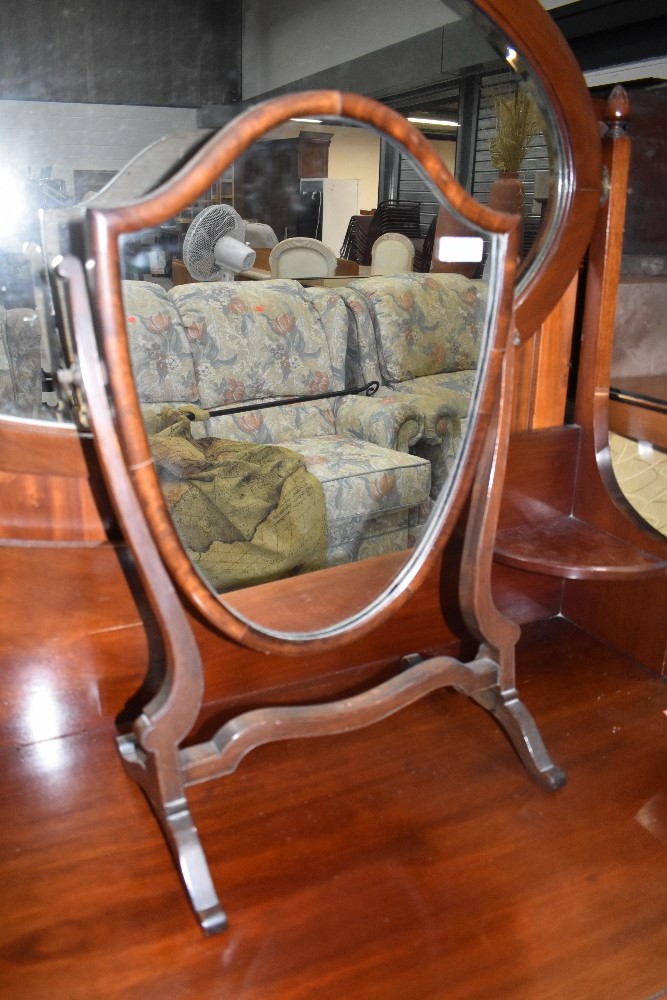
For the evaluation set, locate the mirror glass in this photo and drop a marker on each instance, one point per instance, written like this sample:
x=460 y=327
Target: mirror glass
x=306 y=411
x=70 y=127
x=638 y=375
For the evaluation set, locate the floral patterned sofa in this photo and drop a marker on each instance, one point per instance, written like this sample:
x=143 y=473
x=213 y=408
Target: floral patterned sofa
x=20 y=368
x=227 y=343
x=420 y=336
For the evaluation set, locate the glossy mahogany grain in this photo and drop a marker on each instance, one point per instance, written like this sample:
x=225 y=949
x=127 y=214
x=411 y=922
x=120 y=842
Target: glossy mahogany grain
x=411 y=861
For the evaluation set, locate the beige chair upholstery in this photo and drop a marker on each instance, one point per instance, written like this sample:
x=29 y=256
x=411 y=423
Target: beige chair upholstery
x=392 y=253
x=259 y=235
x=302 y=257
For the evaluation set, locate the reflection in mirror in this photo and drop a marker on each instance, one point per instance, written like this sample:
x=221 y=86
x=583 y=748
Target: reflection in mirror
x=441 y=64
x=299 y=423
x=447 y=68
x=29 y=347
x=638 y=370
x=638 y=393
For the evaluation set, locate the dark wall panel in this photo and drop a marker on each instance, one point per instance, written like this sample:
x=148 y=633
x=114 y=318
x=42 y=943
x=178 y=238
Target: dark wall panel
x=153 y=52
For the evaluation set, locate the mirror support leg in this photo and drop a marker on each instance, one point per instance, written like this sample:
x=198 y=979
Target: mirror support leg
x=497 y=634
x=151 y=753
x=179 y=830
x=521 y=729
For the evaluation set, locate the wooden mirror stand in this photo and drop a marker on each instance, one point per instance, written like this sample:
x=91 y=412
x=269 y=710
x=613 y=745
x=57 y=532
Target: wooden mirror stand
x=158 y=752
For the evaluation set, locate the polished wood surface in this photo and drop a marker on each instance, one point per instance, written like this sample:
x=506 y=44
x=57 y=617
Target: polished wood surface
x=543 y=368
x=51 y=487
x=563 y=511
x=539 y=528
x=411 y=861
x=87 y=638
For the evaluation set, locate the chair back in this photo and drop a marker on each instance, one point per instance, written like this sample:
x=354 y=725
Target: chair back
x=302 y=257
x=260 y=234
x=392 y=253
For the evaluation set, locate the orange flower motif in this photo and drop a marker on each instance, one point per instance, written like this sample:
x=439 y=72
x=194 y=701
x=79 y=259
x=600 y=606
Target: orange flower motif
x=237 y=305
x=319 y=382
x=234 y=392
x=250 y=422
x=283 y=324
x=383 y=486
x=315 y=460
x=159 y=323
x=432 y=284
x=197 y=330
x=441 y=427
x=469 y=295
x=438 y=354
x=406 y=300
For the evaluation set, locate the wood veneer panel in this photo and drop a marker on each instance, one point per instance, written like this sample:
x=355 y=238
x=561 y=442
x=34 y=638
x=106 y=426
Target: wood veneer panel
x=630 y=616
x=543 y=369
x=539 y=481
x=50 y=485
x=395 y=862
x=75 y=634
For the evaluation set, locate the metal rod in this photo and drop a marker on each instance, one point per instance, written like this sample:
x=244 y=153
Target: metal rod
x=219 y=411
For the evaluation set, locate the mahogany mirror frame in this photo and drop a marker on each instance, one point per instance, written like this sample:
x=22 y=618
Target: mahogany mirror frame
x=106 y=226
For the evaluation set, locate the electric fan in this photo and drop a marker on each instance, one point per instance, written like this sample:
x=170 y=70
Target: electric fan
x=213 y=248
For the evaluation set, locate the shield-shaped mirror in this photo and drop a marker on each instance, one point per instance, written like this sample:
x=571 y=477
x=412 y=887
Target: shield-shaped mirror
x=290 y=417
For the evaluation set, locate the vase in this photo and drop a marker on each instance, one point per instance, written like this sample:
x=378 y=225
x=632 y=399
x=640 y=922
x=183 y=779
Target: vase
x=506 y=194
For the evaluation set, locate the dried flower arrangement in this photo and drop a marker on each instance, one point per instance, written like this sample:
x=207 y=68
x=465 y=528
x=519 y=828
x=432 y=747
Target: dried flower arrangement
x=518 y=121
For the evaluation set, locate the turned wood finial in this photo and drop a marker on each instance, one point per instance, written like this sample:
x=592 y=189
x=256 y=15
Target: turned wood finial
x=617 y=112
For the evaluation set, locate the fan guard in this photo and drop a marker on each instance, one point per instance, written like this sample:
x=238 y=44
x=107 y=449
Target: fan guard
x=205 y=230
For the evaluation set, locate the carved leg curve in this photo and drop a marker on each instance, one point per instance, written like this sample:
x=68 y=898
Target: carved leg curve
x=521 y=729
x=179 y=831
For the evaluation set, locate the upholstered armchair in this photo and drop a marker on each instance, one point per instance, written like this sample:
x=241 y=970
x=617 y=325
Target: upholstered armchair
x=236 y=344
x=419 y=335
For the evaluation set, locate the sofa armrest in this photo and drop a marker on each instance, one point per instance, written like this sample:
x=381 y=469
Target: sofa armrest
x=441 y=423
x=389 y=421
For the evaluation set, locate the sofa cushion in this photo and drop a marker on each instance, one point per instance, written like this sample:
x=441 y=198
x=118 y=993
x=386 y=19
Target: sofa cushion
x=449 y=389
x=360 y=477
x=255 y=340
x=424 y=324
x=159 y=347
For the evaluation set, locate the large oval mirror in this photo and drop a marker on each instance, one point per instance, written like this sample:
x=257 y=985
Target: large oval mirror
x=308 y=425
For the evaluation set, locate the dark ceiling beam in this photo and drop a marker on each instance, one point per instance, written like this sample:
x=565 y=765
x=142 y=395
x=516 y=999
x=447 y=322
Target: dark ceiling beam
x=610 y=32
